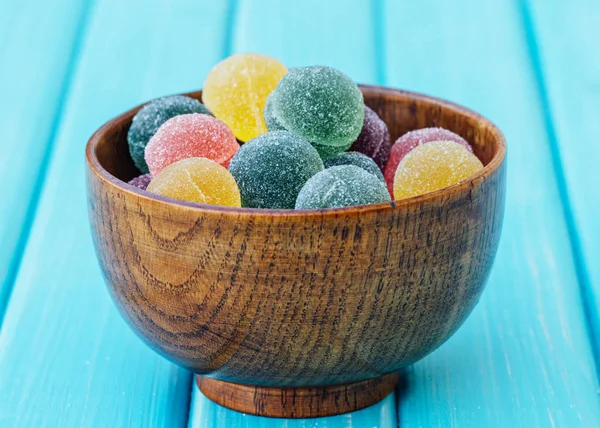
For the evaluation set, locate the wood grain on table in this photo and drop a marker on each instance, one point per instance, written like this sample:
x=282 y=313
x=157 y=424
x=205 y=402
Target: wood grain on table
x=526 y=355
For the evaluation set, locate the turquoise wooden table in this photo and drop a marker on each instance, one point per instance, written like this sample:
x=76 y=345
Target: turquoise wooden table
x=528 y=355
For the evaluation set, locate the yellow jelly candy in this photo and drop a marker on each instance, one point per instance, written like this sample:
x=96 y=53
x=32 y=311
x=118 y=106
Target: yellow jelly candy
x=236 y=92
x=433 y=166
x=197 y=180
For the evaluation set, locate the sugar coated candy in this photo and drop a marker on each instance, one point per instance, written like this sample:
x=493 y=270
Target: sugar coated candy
x=433 y=166
x=341 y=186
x=328 y=151
x=374 y=139
x=270 y=119
x=272 y=168
x=147 y=121
x=141 y=182
x=236 y=91
x=320 y=104
x=356 y=159
x=197 y=180
x=190 y=135
x=412 y=139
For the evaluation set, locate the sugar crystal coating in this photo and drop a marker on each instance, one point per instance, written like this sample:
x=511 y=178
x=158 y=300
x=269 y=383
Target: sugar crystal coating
x=433 y=166
x=327 y=151
x=412 y=139
x=320 y=104
x=269 y=115
x=342 y=186
x=356 y=159
x=272 y=168
x=374 y=139
x=197 y=180
x=147 y=121
x=236 y=91
x=190 y=135
x=141 y=181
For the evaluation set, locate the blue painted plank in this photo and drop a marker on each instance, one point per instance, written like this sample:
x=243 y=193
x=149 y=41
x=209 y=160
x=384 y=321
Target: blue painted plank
x=522 y=358
x=33 y=76
x=346 y=40
x=565 y=47
x=205 y=414
x=336 y=33
x=66 y=357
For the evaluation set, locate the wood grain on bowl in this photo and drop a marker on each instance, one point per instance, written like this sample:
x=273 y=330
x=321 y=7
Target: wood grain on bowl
x=298 y=402
x=305 y=299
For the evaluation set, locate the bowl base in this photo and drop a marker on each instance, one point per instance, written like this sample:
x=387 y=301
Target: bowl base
x=298 y=402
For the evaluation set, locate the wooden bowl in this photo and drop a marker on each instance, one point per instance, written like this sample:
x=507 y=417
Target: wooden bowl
x=300 y=313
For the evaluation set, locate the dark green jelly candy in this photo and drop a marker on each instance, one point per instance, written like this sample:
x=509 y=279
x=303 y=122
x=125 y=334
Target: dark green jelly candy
x=356 y=159
x=320 y=104
x=271 y=169
x=342 y=186
x=147 y=121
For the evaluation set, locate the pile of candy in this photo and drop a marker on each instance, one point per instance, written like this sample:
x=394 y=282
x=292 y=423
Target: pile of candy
x=296 y=127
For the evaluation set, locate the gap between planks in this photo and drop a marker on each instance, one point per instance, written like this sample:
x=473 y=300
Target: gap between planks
x=377 y=11
x=14 y=266
x=591 y=314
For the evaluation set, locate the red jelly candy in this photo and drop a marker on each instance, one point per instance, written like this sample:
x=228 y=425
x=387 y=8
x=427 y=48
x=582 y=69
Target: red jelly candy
x=190 y=135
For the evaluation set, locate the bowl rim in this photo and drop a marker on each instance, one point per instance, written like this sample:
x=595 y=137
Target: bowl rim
x=108 y=179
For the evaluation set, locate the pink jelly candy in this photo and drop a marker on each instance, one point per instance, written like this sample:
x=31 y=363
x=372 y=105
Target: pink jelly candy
x=190 y=135
x=412 y=139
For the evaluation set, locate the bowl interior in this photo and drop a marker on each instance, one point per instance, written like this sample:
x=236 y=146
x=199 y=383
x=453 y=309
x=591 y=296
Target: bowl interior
x=401 y=111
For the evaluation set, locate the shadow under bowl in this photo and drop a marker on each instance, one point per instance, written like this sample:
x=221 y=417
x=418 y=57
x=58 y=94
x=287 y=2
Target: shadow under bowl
x=300 y=313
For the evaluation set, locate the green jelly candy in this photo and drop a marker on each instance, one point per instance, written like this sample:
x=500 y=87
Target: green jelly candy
x=147 y=121
x=320 y=104
x=356 y=159
x=272 y=168
x=270 y=119
x=328 y=151
x=342 y=186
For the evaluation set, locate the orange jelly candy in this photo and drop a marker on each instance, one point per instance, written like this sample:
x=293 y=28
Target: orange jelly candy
x=433 y=166
x=197 y=180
